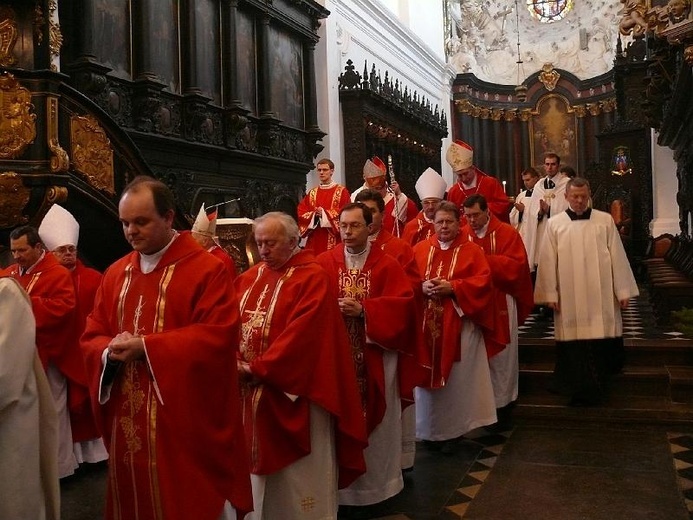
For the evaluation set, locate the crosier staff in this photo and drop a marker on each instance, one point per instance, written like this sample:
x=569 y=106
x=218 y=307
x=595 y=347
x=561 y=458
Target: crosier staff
x=391 y=171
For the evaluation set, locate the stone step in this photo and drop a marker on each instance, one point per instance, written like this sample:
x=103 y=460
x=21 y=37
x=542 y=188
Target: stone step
x=640 y=410
x=640 y=381
x=681 y=384
x=639 y=352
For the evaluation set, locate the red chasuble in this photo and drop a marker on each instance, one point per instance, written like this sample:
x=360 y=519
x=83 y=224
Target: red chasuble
x=295 y=342
x=464 y=266
x=506 y=255
x=490 y=188
x=331 y=200
x=405 y=213
x=224 y=257
x=385 y=292
x=86 y=282
x=418 y=230
x=53 y=301
x=414 y=369
x=172 y=424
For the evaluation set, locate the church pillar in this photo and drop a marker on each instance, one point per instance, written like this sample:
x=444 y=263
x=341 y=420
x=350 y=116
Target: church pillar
x=189 y=65
x=665 y=209
x=581 y=112
x=497 y=139
x=526 y=158
x=311 y=121
x=144 y=63
x=265 y=70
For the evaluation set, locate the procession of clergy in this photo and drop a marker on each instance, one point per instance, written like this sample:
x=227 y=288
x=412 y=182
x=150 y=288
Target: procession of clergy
x=302 y=384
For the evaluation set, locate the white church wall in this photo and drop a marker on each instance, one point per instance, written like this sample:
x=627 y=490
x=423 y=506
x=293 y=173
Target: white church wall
x=371 y=31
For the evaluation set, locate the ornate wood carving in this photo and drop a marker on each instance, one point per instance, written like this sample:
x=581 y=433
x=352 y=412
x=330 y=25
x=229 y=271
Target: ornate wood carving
x=92 y=154
x=9 y=34
x=17 y=120
x=382 y=117
x=60 y=162
x=14 y=196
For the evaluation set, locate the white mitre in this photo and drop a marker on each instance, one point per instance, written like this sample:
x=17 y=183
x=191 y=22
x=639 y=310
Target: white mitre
x=58 y=228
x=205 y=224
x=431 y=185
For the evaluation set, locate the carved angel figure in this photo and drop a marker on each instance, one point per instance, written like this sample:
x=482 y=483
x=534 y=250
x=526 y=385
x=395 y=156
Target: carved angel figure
x=634 y=18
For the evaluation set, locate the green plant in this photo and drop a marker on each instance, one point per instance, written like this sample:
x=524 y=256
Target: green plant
x=683 y=321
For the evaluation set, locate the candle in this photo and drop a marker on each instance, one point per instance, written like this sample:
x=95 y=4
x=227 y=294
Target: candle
x=504 y=187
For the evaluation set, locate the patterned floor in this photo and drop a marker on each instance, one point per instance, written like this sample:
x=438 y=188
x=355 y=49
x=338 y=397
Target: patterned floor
x=682 y=450
x=638 y=323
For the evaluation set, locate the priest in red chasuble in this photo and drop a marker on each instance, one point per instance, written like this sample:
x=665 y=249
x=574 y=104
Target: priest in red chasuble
x=301 y=407
x=471 y=180
x=160 y=348
x=458 y=315
x=52 y=293
x=512 y=290
x=430 y=187
x=319 y=210
x=377 y=304
x=59 y=232
x=413 y=370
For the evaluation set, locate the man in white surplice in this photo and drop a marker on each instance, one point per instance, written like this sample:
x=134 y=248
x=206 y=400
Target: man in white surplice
x=585 y=277
x=547 y=200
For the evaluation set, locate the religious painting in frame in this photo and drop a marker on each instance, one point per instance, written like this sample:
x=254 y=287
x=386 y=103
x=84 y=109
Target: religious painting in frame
x=553 y=128
x=246 y=57
x=286 y=57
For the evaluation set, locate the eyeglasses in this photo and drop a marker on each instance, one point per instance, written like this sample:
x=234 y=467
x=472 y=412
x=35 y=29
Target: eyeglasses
x=355 y=226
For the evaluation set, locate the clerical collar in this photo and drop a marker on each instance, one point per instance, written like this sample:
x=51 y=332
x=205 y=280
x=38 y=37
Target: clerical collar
x=574 y=216
x=482 y=232
x=31 y=268
x=426 y=218
x=528 y=193
x=149 y=262
x=356 y=260
x=445 y=245
x=472 y=185
x=374 y=236
x=327 y=186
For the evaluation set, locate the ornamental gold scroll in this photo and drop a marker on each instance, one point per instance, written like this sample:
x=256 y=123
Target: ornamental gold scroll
x=17 y=122
x=8 y=36
x=92 y=154
x=14 y=196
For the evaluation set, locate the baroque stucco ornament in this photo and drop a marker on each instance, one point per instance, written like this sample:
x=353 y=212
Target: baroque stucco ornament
x=549 y=76
x=92 y=154
x=17 y=120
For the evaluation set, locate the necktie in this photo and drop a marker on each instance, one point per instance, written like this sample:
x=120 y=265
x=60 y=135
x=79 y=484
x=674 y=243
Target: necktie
x=549 y=184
